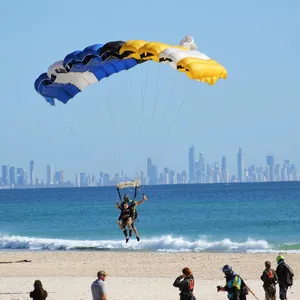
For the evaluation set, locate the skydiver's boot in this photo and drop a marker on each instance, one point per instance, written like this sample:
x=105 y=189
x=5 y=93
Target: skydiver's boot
x=130 y=232
x=137 y=238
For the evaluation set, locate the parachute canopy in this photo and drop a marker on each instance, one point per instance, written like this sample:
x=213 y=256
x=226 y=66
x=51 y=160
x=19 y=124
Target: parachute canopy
x=128 y=184
x=79 y=69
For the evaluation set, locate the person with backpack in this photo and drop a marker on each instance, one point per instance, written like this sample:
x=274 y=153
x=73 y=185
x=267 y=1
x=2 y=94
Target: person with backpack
x=185 y=283
x=235 y=286
x=285 y=276
x=269 y=278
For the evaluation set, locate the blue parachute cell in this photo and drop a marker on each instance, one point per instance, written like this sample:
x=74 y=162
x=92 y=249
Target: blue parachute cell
x=51 y=90
x=80 y=69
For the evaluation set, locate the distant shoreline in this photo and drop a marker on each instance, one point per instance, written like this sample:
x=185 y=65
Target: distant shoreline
x=155 y=185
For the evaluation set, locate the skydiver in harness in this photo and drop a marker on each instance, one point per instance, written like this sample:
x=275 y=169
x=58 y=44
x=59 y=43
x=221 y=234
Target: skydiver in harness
x=131 y=204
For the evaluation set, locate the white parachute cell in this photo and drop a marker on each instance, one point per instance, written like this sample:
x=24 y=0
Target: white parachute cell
x=58 y=74
x=173 y=55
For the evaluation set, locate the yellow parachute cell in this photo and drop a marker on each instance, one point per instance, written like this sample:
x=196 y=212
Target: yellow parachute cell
x=185 y=58
x=130 y=48
x=144 y=50
x=208 y=71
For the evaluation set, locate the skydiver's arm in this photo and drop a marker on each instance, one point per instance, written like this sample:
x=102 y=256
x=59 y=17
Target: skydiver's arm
x=143 y=199
x=118 y=205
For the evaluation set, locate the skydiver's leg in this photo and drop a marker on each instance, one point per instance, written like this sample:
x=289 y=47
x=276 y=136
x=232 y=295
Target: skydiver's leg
x=136 y=232
x=132 y=226
x=123 y=228
x=129 y=224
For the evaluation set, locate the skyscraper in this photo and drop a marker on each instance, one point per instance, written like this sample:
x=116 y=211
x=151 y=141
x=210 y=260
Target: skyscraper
x=149 y=167
x=31 y=172
x=49 y=174
x=240 y=165
x=192 y=169
x=270 y=163
x=224 y=170
x=5 y=180
x=201 y=168
x=12 y=175
x=21 y=176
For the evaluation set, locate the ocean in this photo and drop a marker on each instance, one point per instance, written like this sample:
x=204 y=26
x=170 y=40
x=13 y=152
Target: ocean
x=246 y=217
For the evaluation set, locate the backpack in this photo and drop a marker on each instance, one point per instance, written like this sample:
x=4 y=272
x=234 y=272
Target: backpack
x=244 y=290
x=270 y=277
x=289 y=275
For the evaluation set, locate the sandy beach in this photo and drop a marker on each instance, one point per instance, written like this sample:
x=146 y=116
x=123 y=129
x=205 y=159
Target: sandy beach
x=132 y=275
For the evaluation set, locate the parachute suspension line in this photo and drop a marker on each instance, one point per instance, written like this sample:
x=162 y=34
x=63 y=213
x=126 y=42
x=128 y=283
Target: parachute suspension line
x=184 y=98
x=121 y=85
x=156 y=94
x=193 y=112
x=165 y=111
x=142 y=98
x=110 y=113
x=146 y=71
x=176 y=116
x=64 y=122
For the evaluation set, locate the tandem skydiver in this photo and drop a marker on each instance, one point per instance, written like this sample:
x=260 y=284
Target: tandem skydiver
x=130 y=204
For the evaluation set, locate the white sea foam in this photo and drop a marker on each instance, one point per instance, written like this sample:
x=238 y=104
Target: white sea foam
x=166 y=243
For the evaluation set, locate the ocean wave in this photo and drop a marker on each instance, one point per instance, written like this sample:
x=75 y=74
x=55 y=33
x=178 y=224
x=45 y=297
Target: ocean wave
x=165 y=243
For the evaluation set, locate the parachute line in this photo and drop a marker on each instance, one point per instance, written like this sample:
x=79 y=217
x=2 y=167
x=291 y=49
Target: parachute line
x=156 y=94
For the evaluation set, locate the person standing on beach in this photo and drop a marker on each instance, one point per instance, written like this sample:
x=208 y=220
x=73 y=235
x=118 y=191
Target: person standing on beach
x=38 y=293
x=285 y=277
x=269 y=279
x=235 y=287
x=98 y=287
x=185 y=283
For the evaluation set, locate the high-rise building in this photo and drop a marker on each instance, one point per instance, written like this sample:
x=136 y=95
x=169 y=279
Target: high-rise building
x=49 y=174
x=277 y=174
x=21 y=180
x=153 y=174
x=202 y=168
x=12 y=176
x=105 y=179
x=240 y=165
x=59 y=177
x=83 y=180
x=224 y=170
x=5 y=180
x=149 y=167
x=31 y=173
x=192 y=168
x=271 y=164
x=77 y=180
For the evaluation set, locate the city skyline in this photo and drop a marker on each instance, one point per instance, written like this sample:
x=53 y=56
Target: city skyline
x=197 y=171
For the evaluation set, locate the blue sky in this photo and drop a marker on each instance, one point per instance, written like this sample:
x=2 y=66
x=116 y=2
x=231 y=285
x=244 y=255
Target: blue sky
x=256 y=108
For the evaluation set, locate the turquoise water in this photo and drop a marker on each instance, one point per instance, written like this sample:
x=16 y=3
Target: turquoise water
x=218 y=217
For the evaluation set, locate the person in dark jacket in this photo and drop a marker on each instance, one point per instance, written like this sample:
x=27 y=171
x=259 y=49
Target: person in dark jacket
x=269 y=279
x=285 y=276
x=235 y=287
x=185 y=283
x=38 y=293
